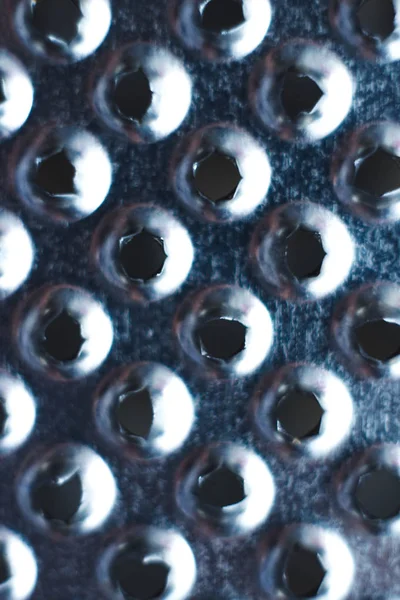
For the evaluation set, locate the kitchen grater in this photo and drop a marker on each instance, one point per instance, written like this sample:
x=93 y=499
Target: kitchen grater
x=200 y=304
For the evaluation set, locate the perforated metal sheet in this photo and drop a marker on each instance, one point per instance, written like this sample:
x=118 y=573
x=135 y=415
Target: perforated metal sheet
x=306 y=489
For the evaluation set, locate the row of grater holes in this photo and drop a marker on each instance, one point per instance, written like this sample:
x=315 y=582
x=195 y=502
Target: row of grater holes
x=227 y=29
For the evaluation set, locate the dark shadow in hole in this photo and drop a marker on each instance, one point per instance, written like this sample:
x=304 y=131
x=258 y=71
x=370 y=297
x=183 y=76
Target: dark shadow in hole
x=132 y=95
x=3 y=417
x=221 y=339
x=378 y=173
x=304 y=253
x=57 y=20
x=138 y=579
x=3 y=96
x=299 y=94
x=58 y=501
x=62 y=338
x=142 y=256
x=218 y=16
x=135 y=413
x=5 y=571
x=217 y=177
x=304 y=572
x=220 y=487
x=299 y=414
x=376 y=18
x=379 y=340
x=55 y=175
x=378 y=494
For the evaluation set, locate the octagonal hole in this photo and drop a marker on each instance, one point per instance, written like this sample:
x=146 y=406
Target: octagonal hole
x=222 y=339
x=304 y=572
x=139 y=578
x=217 y=177
x=378 y=494
x=62 y=338
x=222 y=15
x=299 y=414
x=133 y=95
x=58 y=499
x=55 y=174
x=142 y=255
x=378 y=340
x=300 y=94
x=135 y=413
x=377 y=173
x=304 y=253
x=376 y=18
x=57 y=20
x=220 y=487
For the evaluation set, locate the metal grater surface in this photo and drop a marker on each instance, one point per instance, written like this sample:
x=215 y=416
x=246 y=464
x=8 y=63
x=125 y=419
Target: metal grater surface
x=284 y=483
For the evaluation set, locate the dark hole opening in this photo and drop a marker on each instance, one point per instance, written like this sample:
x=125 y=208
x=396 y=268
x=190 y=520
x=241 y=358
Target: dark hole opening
x=55 y=175
x=222 y=339
x=135 y=413
x=378 y=173
x=299 y=414
x=304 y=572
x=58 y=500
x=378 y=494
x=377 y=18
x=133 y=95
x=139 y=579
x=56 y=20
x=379 y=340
x=3 y=97
x=142 y=256
x=299 y=95
x=62 y=338
x=217 y=177
x=3 y=417
x=220 y=488
x=5 y=572
x=304 y=253
x=222 y=15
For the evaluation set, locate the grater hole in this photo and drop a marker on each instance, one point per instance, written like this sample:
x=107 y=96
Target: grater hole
x=136 y=409
x=217 y=177
x=67 y=164
x=135 y=413
x=5 y=571
x=222 y=15
x=299 y=415
x=300 y=94
x=63 y=340
x=142 y=256
x=377 y=173
x=304 y=253
x=379 y=340
x=225 y=488
x=69 y=489
x=222 y=339
x=16 y=94
x=55 y=174
x=221 y=487
x=143 y=93
x=57 y=20
x=58 y=500
x=141 y=579
x=376 y=18
x=18 y=567
x=303 y=572
x=132 y=95
x=377 y=494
